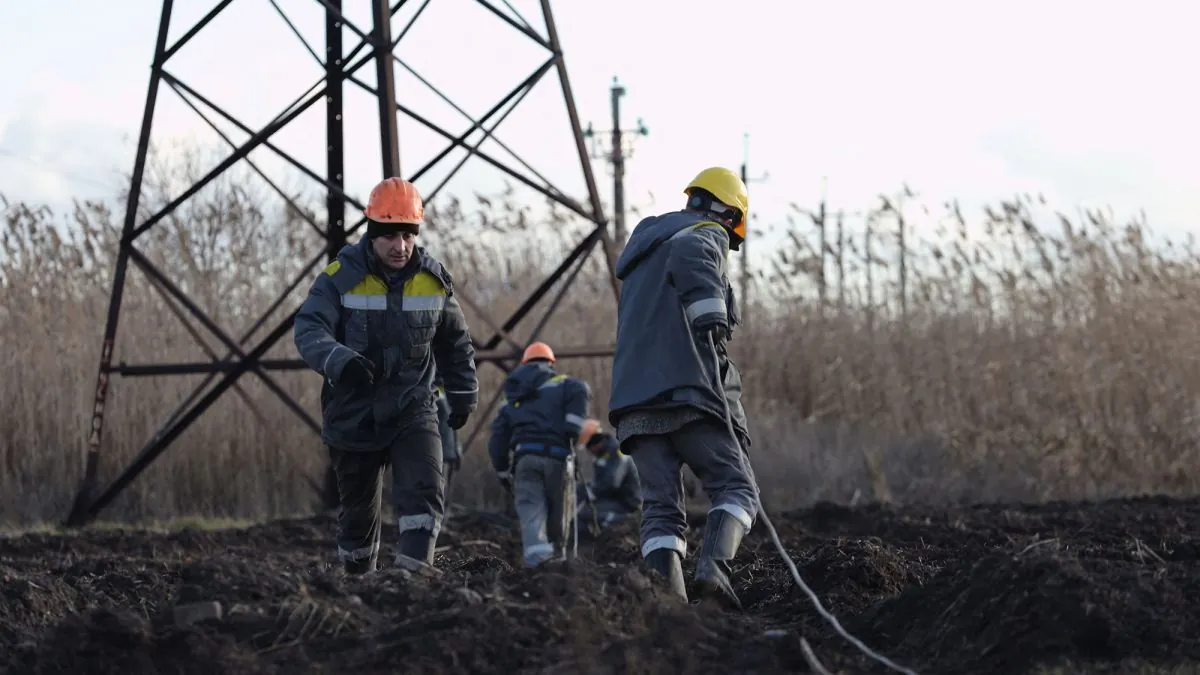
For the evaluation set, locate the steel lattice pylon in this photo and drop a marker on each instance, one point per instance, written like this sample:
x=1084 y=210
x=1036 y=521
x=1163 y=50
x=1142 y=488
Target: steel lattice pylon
x=241 y=358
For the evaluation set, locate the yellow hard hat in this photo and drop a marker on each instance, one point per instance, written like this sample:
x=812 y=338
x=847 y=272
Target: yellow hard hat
x=729 y=189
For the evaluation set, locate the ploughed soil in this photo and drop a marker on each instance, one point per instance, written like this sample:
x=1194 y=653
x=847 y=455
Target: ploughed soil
x=1106 y=587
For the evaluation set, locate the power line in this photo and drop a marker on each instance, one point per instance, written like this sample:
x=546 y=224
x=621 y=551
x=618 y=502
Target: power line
x=617 y=153
x=746 y=274
x=60 y=172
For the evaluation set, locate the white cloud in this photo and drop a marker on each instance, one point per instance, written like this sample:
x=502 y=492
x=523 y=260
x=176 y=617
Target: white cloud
x=1081 y=101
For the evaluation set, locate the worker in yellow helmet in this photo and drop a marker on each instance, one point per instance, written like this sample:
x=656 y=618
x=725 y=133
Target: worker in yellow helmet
x=673 y=384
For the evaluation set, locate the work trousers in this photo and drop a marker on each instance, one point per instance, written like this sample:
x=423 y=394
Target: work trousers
x=544 y=493
x=706 y=447
x=418 y=489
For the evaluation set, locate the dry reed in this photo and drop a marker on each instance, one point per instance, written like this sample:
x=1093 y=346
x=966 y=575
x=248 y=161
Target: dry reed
x=1014 y=364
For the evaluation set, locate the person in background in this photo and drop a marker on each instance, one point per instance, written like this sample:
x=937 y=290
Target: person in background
x=532 y=448
x=614 y=494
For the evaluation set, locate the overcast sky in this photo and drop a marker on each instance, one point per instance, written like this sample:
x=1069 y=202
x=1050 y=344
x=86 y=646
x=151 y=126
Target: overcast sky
x=1088 y=102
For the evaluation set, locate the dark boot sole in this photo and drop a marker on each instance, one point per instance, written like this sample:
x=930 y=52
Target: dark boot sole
x=708 y=589
x=414 y=566
x=358 y=569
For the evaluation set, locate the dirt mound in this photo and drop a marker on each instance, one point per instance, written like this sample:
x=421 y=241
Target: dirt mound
x=982 y=590
x=1009 y=611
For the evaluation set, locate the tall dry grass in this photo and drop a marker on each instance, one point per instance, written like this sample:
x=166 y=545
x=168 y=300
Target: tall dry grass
x=1042 y=358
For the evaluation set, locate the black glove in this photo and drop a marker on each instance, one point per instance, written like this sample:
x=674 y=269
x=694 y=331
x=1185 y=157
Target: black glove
x=358 y=373
x=718 y=330
x=457 y=420
x=455 y=463
x=506 y=481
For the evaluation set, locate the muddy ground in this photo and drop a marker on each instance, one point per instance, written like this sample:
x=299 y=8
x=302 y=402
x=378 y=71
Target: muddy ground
x=1109 y=587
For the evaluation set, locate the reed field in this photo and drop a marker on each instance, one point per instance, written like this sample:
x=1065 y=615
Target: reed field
x=897 y=357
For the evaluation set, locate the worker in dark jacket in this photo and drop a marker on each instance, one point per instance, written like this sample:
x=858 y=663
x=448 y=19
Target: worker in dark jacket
x=614 y=493
x=532 y=448
x=670 y=397
x=375 y=323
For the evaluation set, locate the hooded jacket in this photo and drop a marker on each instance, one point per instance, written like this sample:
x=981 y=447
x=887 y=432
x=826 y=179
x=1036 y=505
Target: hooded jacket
x=674 y=274
x=542 y=412
x=408 y=326
x=615 y=481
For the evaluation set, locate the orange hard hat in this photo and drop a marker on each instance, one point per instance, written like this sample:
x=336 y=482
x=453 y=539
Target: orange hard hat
x=395 y=200
x=590 y=427
x=538 y=350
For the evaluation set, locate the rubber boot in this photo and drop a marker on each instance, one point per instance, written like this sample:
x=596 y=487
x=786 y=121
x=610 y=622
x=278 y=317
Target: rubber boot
x=357 y=567
x=416 y=551
x=722 y=537
x=667 y=563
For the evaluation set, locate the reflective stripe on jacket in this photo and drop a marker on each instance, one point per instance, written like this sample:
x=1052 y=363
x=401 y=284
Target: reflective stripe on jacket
x=674 y=274
x=403 y=326
x=542 y=412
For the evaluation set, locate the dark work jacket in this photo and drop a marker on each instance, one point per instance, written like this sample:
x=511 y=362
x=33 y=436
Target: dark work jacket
x=408 y=326
x=674 y=278
x=616 y=477
x=542 y=412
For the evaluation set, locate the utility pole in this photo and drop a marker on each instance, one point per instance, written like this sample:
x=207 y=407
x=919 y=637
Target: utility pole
x=617 y=153
x=745 y=300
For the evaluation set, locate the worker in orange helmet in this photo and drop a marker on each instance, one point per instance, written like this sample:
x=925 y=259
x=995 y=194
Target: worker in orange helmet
x=676 y=395
x=614 y=493
x=532 y=448
x=379 y=324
